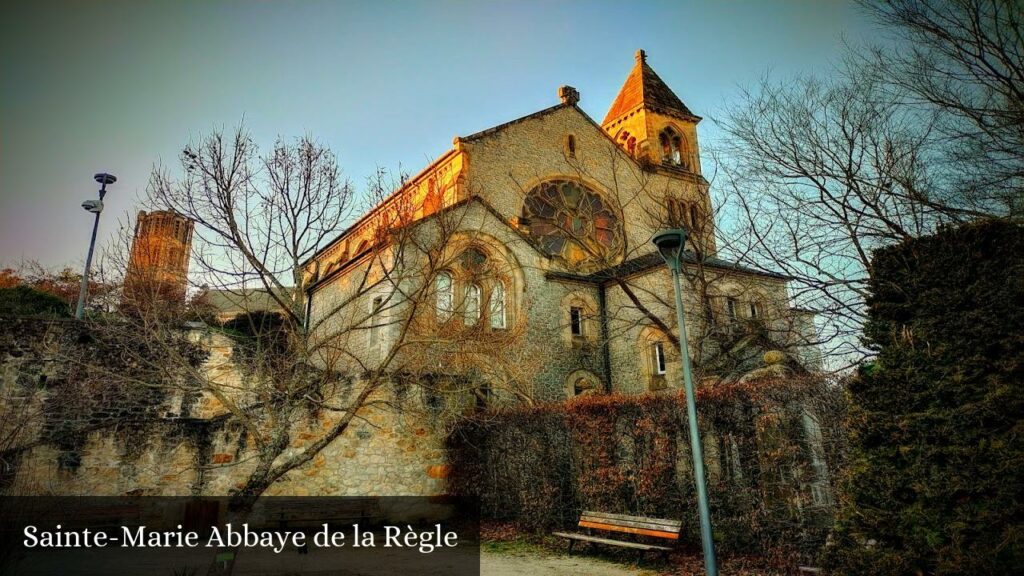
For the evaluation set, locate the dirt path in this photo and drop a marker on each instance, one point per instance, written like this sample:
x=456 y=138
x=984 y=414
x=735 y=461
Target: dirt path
x=532 y=564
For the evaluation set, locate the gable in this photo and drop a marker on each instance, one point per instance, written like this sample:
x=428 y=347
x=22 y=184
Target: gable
x=513 y=159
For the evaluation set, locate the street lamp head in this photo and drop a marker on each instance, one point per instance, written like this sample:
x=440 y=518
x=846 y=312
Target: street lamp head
x=104 y=178
x=670 y=245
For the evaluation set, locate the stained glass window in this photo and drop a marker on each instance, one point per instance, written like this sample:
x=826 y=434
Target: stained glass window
x=571 y=221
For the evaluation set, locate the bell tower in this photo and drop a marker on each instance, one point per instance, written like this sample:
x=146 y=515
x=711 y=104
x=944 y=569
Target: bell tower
x=651 y=123
x=158 y=265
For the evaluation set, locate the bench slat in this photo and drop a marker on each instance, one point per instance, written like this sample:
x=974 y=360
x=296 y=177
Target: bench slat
x=663 y=521
x=629 y=530
x=632 y=524
x=584 y=537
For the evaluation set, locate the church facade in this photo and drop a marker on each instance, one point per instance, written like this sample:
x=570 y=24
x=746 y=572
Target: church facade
x=522 y=259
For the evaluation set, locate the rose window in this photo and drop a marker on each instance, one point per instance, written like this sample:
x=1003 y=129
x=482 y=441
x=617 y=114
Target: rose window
x=572 y=222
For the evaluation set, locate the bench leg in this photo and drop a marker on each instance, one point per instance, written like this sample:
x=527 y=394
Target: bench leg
x=571 y=542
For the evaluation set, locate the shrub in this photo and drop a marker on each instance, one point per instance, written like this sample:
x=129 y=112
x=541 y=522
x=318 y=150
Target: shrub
x=260 y=332
x=935 y=483
x=27 y=301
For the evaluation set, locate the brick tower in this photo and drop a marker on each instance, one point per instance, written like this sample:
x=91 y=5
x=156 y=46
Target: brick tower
x=158 y=265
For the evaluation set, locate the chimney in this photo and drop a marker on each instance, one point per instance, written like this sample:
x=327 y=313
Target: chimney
x=568 y=95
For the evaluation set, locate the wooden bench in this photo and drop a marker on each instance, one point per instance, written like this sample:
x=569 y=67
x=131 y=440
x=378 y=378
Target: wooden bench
x=624 y=524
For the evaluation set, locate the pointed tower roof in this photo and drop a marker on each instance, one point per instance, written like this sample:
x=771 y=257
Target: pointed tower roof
x=644 y=87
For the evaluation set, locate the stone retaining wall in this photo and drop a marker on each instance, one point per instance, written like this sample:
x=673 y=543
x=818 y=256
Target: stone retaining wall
x=85 y=438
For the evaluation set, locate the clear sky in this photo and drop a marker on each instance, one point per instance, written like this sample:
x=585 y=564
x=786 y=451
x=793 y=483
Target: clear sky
x=118 y=86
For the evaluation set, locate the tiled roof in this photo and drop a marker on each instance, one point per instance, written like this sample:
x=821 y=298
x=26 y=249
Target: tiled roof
x=239 y=301
x=644 y=86
x=653 y=260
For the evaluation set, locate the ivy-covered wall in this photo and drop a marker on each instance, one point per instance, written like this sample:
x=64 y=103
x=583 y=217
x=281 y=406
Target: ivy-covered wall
x=766 y=442
x=74 y=399
x=81 y=413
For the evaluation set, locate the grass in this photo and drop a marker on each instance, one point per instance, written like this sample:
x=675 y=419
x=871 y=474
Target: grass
x=518 y=546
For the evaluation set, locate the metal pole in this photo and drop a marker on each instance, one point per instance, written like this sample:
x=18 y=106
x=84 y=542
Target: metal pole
x=83 y=292
x=695 y=448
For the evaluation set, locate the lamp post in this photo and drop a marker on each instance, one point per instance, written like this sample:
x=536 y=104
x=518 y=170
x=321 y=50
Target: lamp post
x=96 y=207
x=670 y=244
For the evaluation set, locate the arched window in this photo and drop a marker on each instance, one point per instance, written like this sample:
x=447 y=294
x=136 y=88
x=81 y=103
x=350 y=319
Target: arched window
x=673 y=210
x=376 y=322
x=731 y=308
x=497 y=305
x=475 y=290
x=443 y=287
x=671 y=147
x=432 y=202
x=581 y=382
x=657 y=365
x=583 y=385
x=676 y=213
x=658 y=358
x=693 y=216
x=570 y=146
x=472 y=305
x=576 y=321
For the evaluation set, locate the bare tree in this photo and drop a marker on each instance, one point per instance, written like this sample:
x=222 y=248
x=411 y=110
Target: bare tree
x=965 y=60
x=312 y=371
x=257 y=218
x=823 y=171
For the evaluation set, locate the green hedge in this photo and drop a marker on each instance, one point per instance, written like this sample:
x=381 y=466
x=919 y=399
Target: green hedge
x=936 y=475
x=27 y=301
x=539 y=466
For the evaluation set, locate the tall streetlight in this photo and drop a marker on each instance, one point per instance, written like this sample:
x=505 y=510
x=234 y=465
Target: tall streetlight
x=96 y=207
x=670 y=244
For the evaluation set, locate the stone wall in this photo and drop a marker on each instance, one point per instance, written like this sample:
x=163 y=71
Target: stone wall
x=170 y=445
x=633 y=333
x=539 y=350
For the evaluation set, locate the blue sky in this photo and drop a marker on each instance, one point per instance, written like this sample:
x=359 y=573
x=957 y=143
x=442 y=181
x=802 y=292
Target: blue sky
x=119 y=86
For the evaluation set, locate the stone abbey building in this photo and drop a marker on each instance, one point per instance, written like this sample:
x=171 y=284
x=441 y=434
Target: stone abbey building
x=517 y=266
x=542 y=226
